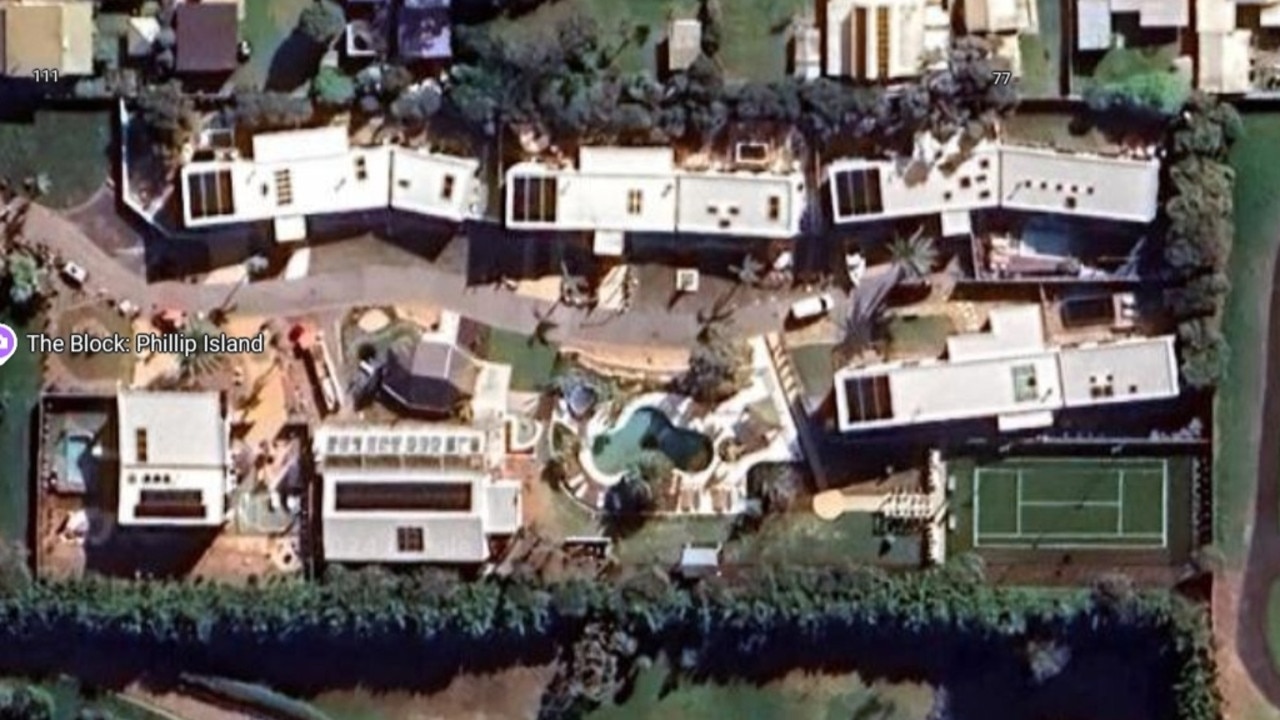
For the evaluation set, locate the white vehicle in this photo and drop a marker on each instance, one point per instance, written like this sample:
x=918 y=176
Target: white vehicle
x=74 y=274
x=856 y=266
x=128 y=309
x=812 y=307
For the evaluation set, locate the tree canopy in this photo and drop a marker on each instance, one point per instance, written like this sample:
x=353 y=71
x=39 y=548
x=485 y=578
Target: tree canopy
x=322 y=21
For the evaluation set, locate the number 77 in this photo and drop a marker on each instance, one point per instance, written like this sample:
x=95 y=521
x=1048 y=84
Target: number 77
x=1002 y=77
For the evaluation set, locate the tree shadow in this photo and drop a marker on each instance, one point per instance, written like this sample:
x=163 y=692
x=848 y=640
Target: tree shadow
x=294 y=63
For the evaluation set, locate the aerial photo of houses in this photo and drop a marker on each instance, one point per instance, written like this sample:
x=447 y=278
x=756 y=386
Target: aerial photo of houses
x=627 y=359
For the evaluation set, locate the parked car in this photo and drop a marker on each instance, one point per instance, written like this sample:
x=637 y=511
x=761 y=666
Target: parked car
x=74 y=274
x=812 y=307
x=128 y=309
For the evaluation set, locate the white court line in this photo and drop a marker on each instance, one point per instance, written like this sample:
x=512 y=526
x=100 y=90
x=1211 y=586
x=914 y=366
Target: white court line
x=1071 y=503
x=1120 y=515
x=1018 y=524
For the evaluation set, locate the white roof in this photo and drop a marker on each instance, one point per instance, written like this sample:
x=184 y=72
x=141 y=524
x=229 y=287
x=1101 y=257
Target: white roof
x=315 y=171
x=1216 y=16
x=1093 y=22
x=1141 y=369
x=1014 y=330
x=995 y=16
x=641 y=190
x=142 y=35
x=852 y=46
x=1009 y=176
x=173 y=451
x=1077 y=184
x=411 y=493
x=1015 y=382
x=684 y=42
x=1224 y=61
x=433 y=184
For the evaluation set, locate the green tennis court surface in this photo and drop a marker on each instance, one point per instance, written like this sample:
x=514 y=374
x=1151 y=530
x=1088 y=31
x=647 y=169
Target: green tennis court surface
x=1064 y=503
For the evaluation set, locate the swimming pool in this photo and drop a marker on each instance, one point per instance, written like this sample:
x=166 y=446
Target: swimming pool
x=649 y=428
x=76 y=448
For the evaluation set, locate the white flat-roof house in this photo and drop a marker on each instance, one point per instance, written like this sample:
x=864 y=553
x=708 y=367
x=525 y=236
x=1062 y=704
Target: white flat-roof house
x=875 y=39
x=616 y=189
x=411 y=494
x=1009 y=373
x=174 y=458
x=990 y=176
x=316 y=171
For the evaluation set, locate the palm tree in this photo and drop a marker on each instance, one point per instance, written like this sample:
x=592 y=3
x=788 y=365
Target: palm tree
x=712 y=320
x=749 y=272
x=544 y=328
x=573 y=288
x=913 y=257
x=200 y=363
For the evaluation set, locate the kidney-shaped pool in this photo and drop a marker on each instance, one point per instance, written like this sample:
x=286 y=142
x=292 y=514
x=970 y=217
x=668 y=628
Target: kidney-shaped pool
x=649 y=428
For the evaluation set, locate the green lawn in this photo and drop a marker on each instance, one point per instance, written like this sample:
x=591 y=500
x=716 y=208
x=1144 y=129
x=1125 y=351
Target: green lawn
x=611 y=15
x=72 y=148
x=1042 y=54
x=754 y=35
x=1256 y=160
x=532 y=363
x=919 y=335
x=660 y=539
x=267 y=24
x=803 y=538
x=796 y=697
x=814 y=367
x=19 y=390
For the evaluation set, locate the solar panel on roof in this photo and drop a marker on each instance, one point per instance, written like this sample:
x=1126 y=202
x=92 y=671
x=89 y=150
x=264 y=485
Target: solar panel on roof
x=858 y=192
x=868 y=398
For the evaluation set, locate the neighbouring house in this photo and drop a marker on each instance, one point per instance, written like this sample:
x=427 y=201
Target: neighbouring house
x=684 y=43
x=882 y=39
x=806 y=52
x=411 y=494
x=50 y=36
x=207 y=35
x=430 y=376
x=316 y=171
x=1009 y=373
x=1001 y=16
x=1094 y=20
x=423 y=31
x=1225 y=62
x=996 y=176
x=175 y=458
x=435 y=374
x=616 y=190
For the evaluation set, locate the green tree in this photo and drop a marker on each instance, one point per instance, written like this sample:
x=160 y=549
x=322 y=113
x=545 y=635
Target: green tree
x=272 y=110
x=26 y=278
x=332 y=88
x=416 y=106
x=1163 y=93
x=24 y=702
x=913 y=257
x=193 y=367
x=322 y=21
x=168 y=117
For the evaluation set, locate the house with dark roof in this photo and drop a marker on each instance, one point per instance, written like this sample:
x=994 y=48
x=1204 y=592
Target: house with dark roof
x=207 y=35
x=431 y=376
x=423 y=31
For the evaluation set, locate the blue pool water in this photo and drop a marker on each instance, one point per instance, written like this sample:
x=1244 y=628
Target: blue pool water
x=650 y=429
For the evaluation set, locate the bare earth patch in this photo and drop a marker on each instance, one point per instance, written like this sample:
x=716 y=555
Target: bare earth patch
x=512 y=693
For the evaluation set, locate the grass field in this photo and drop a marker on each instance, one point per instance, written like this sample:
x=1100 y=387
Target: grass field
x=795 y=697
x=1042 y=54
x=72 y=148
x=532 y=363
x=19 y=390
x=753 y=43
x=612 y=16
x=267 y=25
x=1070 y=504
x=918 y=335
x=1256 y=160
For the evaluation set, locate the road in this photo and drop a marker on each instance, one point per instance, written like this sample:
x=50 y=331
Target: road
x=384 y=284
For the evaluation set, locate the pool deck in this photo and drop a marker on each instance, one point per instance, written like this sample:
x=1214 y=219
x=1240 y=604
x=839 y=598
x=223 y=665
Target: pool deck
x=718 y=425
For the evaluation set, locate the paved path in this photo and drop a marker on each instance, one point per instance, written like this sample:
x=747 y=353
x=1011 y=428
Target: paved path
x=376 y=285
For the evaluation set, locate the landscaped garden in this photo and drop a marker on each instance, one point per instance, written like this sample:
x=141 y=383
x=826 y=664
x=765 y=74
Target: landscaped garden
x=19 y=390
x=62 y=156
x=96 y=319
x=268 y=25
x=532 y=361
x=1042 y=60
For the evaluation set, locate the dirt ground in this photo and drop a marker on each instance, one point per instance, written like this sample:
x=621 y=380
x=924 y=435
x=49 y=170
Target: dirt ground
x=1241 y=698
x=507 y=695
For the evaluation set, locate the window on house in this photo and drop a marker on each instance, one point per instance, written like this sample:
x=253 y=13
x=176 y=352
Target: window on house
x=446 y=189
x=634 y=202
x=410 y=539
x=140 y=444
x=965 y=182
x=362 y=169
x=984 y=163
x=775 y=207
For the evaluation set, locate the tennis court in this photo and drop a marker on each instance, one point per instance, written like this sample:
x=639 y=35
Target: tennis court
x=1068 y=503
